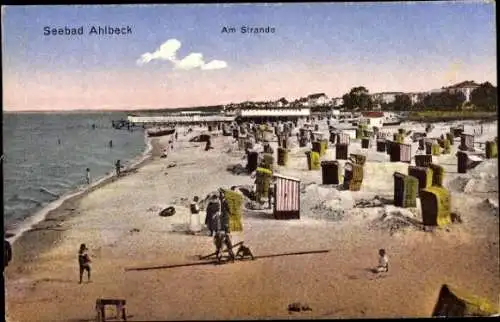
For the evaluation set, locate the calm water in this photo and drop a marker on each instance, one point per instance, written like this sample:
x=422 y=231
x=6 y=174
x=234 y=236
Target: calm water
x=37 y=168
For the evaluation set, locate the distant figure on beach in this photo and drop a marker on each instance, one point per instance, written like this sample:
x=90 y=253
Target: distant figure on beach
x=383 y=261
x=110 y=143
x=195 y=215
x=59 y=141
x=118 y=168
x=176 y=135
x=208 y=146
x=93 y=126
x=84 y=262
x=213 y=207
x=88 y=175
x=7 y=253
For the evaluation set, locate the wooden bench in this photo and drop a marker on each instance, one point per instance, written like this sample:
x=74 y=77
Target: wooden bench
x=100 y=307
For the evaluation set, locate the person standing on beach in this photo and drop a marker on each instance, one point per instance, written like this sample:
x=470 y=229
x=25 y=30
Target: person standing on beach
x=118 y=167
x=7 y=253
x=221 y=227
x=88 y=175
x=195 y=215
x=84 y=262
x=224 y=210
x=212 y=208
x=383 y=261
x=110 y=143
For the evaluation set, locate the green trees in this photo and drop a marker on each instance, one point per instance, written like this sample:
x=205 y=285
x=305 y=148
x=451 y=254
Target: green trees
x=402 y=102
x=444 y=100
x=485 y=97
x=358 y=97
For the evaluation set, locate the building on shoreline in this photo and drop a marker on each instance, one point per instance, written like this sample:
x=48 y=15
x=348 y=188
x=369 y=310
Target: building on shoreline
x=275 y=114
x=182 y=119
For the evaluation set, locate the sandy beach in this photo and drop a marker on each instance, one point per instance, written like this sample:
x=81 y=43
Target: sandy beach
x=120 y=224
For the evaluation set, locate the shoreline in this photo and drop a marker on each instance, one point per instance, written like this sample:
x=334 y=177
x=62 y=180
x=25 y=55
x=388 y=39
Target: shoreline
x=46 y=233
x=41 y=214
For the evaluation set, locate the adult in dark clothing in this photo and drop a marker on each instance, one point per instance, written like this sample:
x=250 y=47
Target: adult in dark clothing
x=84 y=261
x=213 y=207
x=7 y=253
x=221 y=226
x=118 y=168
x=224 y=211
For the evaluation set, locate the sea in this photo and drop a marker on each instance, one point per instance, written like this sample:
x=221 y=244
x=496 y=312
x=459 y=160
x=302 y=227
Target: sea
x=45 y=157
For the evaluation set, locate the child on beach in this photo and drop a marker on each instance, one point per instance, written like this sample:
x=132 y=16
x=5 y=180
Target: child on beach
x=195 y=215
x=84 y=262
x=88 y=176
x=383 y=262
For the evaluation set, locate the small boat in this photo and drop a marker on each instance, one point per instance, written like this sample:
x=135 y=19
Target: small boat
x=391 y=122
x=161 y=132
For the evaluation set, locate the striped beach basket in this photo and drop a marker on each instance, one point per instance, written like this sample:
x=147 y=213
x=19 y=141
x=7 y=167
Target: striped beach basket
x=381 y=145
x=262 y=182
x=313 y=162
x=423 y=175
x=437 y=174
x=423 y=160
x=400 y=152
x=282 y=156
x=405 y=190
x=353 y=176
x=343 y=138
x=357 y=159
x=341 y=151
x=436 y=206
x=466 y=142
x=330 y=171
x=286 y=197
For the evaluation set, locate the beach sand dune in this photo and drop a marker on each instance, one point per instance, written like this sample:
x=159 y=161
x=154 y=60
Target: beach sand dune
x=120 y=224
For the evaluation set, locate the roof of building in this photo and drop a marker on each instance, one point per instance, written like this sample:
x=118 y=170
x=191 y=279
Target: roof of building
x=373 y=114
x=464 y=85
x=317 y=95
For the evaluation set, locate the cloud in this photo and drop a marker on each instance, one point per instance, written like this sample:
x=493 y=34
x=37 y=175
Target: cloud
x=168 y=50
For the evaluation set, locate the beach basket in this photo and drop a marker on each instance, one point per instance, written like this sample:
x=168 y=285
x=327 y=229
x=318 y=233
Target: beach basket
x=313 y=162
x=376 y=130
x=491 y=149
x=400 y=152
x=405 y=190
x=437 y=174
x=330 y=172
x=341 y=151
x=353 y=176
x=302 y=141
x=457 y=131
x=316 y=147
x=457 y=303
x=423 y=175
x=436 y=205
x=401 y=131
x=428 y=147
x=450 y=137
x=423 y=160
x=262 y=182
x=323 y=147
x=357 y=159
x=365 y=143
x=282 y=156
x=398 y=138
x=388 y=146
x=466 y=142
x=381 y=145
x=235 y=203
x=209 y=128
x=462 y=162
x=436 y=149
x=446 y=147
x=252 y=161
x=267 y=161
x=343 y=138
x=333 y=137
x=359 y=133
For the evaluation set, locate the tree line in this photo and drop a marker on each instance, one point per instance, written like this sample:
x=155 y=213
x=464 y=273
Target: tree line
x=482 y=98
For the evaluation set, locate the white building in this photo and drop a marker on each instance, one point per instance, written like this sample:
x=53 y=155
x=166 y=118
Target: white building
x=373 y=118
x=317 y=99
x=465 y=87
x=337 y=101
x=179 y=119
x=385 y=97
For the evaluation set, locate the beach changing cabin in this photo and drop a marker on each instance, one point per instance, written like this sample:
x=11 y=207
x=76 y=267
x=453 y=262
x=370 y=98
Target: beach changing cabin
x=286 y=197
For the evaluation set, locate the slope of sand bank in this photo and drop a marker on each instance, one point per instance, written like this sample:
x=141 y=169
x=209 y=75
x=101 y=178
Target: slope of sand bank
x=120 y=224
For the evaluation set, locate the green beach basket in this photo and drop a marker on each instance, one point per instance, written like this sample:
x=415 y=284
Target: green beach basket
x=436 y=205
x=435 y=149
x=405 y=190
x=262 y=182
x=357 y=159
x=323 y=147
x=423 y=175
x=235 y=203
x=491 y=149
x=353 y=176
x=437 y=174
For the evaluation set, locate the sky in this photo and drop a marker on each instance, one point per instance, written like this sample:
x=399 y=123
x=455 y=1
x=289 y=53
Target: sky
x=178 y=56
